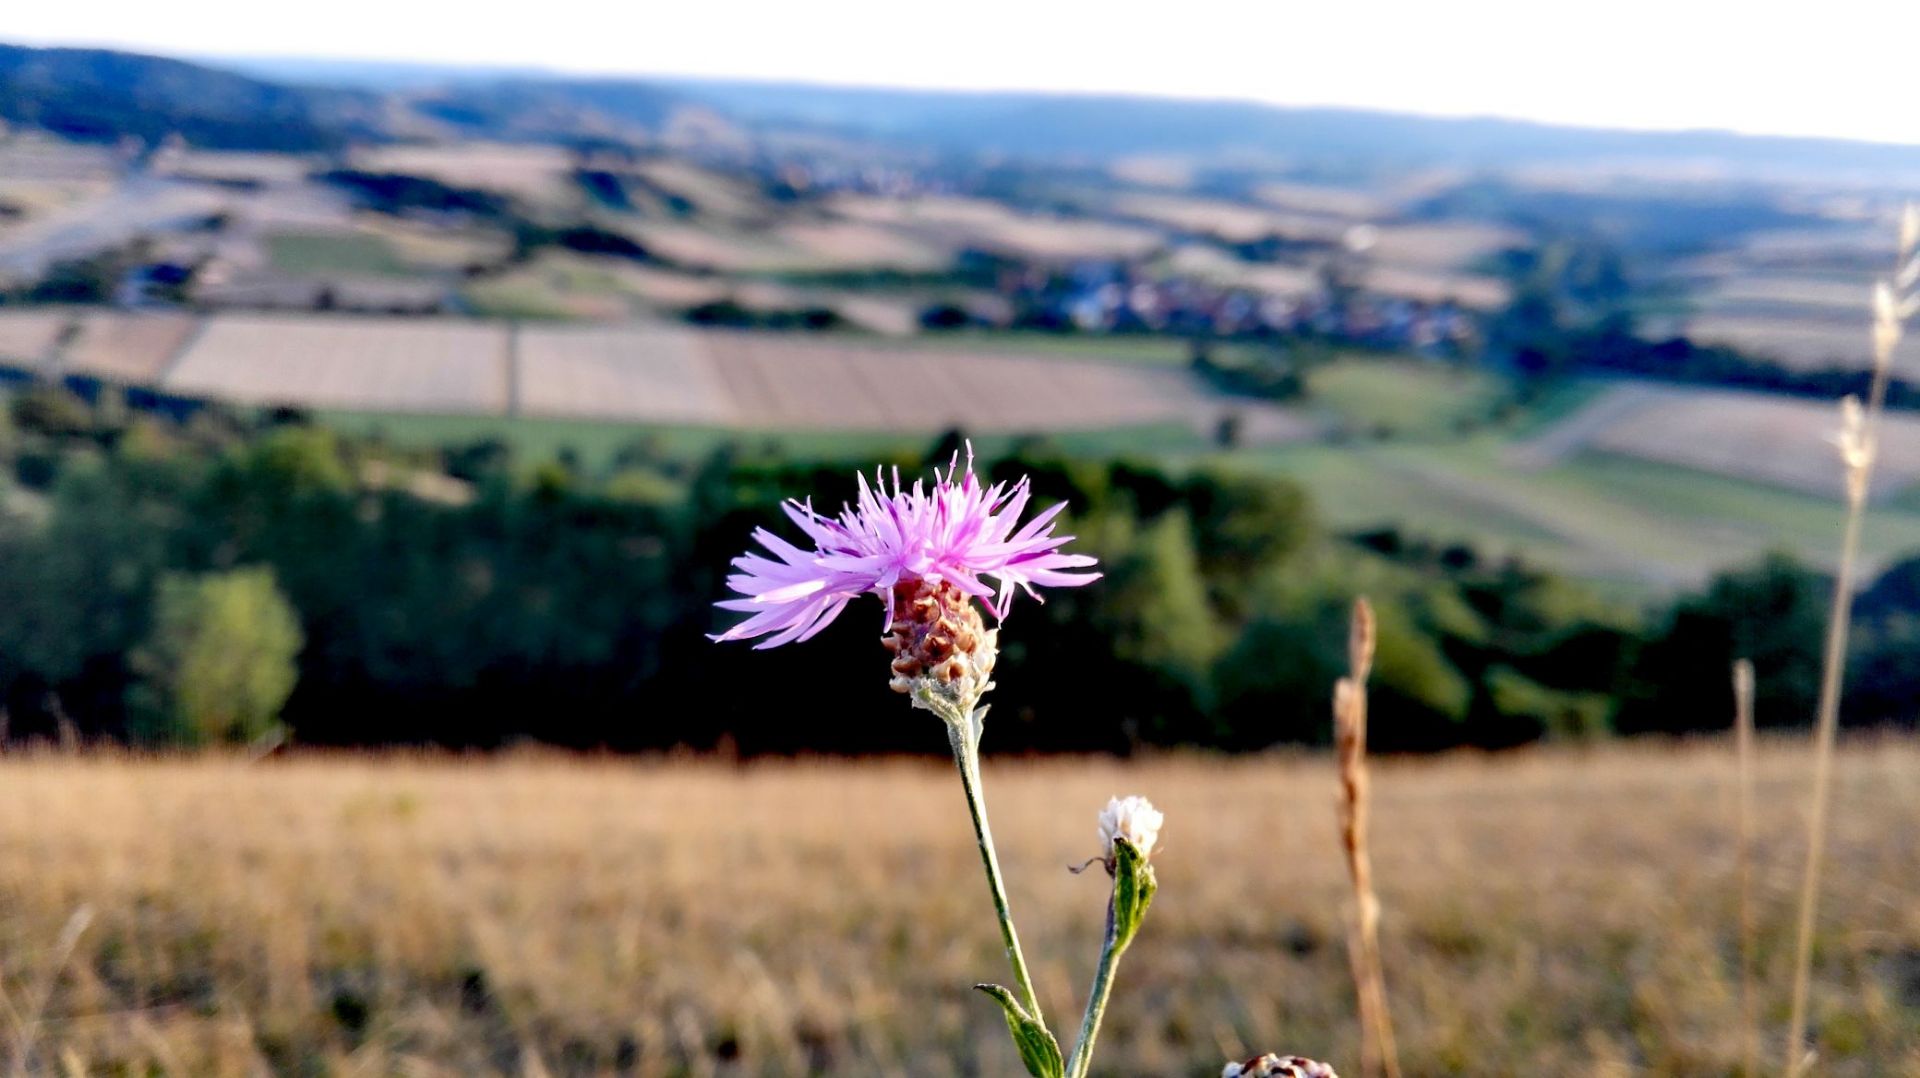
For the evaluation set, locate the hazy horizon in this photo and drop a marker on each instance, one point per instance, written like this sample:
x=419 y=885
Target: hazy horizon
x=1648 y=66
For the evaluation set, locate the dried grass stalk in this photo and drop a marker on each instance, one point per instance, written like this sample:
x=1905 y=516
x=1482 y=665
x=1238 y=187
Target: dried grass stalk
x=1377 y=1052
x=1895 y=299
x=27 y=1019
x=1743 y=862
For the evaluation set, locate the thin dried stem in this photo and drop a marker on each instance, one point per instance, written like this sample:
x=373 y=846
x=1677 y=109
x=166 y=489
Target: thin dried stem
x=1743 y=861
x=1377 y=1052
x=1859 y=443
x=42 y=993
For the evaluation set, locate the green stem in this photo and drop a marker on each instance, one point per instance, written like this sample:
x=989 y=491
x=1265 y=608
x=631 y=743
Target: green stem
x=1110 y=952
x=966 y=756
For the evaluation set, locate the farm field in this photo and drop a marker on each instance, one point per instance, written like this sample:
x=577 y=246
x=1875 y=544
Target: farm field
x=562 y=287
x=707 y=190
x=786 y=384
x=1232 y=221
x=536 y=173
x=995 y=226
x=1438 y=286
x=1832 y=297
x=1762 y=438
x=1408 y=399
x=27 y=338
x=131 y=349
x=1349 y=202
x=854 y=244
x=1273 y=279
x=1554 y=912
x=657 y=373
x=320 y=253
x=1153 y=350
x=388 y=364
x=1752 y=437
x=1441 y=246
x=1797 y=342
x=641 y=371
x=731 y=251
x=1608 y=480
x=1599 y=515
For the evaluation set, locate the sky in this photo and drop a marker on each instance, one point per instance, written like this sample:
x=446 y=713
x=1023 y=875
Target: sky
x=1840 y=68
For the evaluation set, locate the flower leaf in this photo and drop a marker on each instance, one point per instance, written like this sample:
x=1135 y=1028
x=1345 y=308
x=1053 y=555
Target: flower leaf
x=1133 y=888
x=1038 y=1050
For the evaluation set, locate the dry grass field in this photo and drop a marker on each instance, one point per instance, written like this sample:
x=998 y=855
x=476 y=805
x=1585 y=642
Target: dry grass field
x=1558 y=912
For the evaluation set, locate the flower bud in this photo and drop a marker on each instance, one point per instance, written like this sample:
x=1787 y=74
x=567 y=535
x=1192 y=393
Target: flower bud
x=1277 y=1066
x=1132 y=818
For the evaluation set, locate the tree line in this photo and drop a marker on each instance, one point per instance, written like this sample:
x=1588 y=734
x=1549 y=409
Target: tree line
x=227 y=576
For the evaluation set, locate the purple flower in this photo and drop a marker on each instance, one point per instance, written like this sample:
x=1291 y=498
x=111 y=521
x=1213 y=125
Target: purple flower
x=957 y=533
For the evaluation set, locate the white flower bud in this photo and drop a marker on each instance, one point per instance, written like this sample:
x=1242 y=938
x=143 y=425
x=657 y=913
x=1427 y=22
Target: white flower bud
x=1132 y=818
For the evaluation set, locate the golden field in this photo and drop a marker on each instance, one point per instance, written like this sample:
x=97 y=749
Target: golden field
x=1556 y=912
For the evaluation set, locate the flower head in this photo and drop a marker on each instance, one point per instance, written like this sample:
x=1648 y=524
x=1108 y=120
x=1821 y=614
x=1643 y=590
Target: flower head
x=1132 y=818
x=959 y=533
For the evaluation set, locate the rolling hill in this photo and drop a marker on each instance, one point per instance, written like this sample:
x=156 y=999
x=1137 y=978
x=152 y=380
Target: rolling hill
x=315 y=104
x=101 y=95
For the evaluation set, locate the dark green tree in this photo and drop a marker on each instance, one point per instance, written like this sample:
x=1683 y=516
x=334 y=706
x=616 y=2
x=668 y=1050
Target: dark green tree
x=1773 y=613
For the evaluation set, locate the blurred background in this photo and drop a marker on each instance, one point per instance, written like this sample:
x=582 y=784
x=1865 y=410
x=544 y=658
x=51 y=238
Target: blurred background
x=403 y=381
